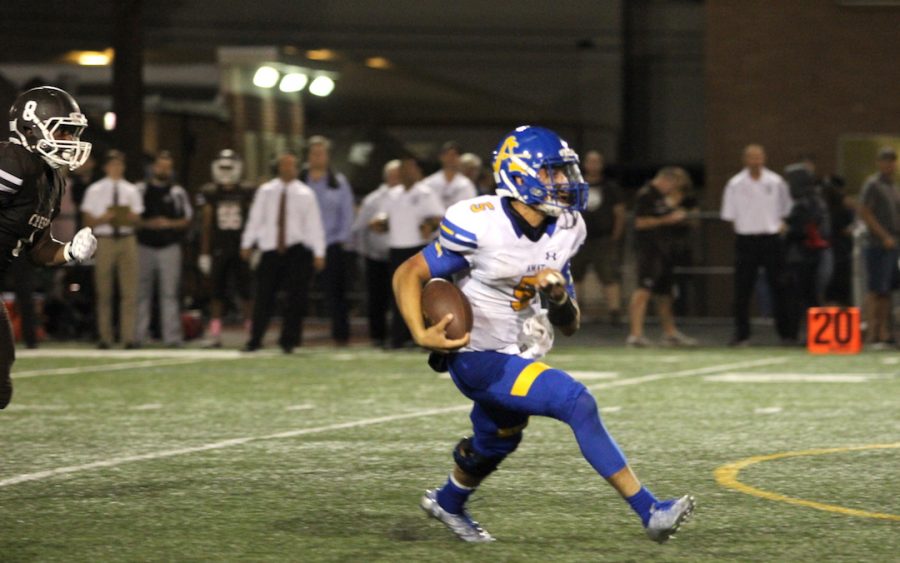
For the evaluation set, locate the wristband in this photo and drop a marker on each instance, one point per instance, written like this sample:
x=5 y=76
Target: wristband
x=562 y=314
x=67 y=252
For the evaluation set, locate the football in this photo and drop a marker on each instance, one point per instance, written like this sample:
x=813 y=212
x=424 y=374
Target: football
x=440 y=297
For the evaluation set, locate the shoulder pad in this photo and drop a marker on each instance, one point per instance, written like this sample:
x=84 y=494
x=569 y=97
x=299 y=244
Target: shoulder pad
x=17 y=167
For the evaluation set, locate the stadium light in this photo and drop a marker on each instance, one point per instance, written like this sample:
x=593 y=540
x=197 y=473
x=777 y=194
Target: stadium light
x=293 y=82
x=265 y=77
x=109 y=121
x=321 y=86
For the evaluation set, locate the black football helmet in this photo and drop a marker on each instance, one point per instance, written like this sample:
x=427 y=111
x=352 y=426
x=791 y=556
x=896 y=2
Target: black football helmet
x=227 y=168
x=41 y=114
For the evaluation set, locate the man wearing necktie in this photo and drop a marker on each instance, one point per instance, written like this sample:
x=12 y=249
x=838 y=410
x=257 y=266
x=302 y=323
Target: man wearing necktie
x=286 y=227
x=112 y=207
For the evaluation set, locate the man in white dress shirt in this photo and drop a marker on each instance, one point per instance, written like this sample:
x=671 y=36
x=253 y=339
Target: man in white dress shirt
x=449 y=183
x=410 y=213
x=286 y=226
x=756 y=201
x=112 y=206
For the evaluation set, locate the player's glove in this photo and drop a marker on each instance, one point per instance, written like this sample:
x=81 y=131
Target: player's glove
x=536 y=338
x=82 y=246
x=204 y=263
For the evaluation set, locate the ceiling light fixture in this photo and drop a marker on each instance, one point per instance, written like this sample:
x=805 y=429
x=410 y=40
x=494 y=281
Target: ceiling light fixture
x=321 y=86
x=265 y=77
x=293 y=82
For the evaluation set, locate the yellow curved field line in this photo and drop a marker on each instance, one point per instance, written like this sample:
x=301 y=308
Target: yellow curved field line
x=727 y=476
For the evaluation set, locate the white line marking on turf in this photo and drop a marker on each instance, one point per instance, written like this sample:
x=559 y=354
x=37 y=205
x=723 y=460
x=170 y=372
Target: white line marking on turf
x=686 y=373
x=106 y=367
x=890 y=361
x=223 y=444
x=113 y=462
x=299 y=407
x=791 y=378
x=590 y=375
x=147 y=407
x=767 y=410
x=18 y=407
x=129 y=354
x=610 y=409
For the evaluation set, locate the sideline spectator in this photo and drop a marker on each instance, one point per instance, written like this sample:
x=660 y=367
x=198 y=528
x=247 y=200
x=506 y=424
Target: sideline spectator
x=372 y=242
x=653 y=221
x=166 y=217
x=808 y=252
x=410 y=213
x=335 y=198
x=880 y=210
x=470 y=166
x=449 y=183
x=842 y=210
x=605 y=220
x=756 y=201
x=286 y=226
x=112 y=207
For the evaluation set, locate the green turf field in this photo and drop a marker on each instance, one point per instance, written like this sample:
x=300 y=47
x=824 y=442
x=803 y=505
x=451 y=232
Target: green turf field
x=323 y=455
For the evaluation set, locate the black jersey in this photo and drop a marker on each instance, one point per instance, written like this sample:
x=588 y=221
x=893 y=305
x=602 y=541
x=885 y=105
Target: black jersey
x=30 y=194
x=650 y=202
x=230 y=208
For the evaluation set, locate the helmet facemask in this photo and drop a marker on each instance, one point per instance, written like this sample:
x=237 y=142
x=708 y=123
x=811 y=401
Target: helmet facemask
x=71 y=152
x=563 y=190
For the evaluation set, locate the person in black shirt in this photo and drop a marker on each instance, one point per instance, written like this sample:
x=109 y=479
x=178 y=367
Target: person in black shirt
x=167 y=215
x=654 y=217
x=225 y=203
x=45 y=129
x=605 y=220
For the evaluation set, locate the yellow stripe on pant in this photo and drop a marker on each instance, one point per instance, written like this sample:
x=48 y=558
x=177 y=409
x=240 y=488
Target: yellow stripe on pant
x=526 y=378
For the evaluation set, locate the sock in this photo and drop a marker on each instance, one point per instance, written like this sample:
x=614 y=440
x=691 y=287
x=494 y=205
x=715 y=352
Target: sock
x=641 y=502
x=453 y=496
x=215 y=328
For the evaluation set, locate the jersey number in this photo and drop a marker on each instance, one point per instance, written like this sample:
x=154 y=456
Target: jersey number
x=524 y=292
x=229 y=217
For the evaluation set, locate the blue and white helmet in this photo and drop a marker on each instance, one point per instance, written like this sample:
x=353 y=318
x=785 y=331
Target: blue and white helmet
x=521 y=156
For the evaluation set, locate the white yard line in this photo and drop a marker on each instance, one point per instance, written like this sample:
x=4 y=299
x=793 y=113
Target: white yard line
x=686 y=373
x=106 y=367
x=114 y=462
x=793 y=377
x=150 y=354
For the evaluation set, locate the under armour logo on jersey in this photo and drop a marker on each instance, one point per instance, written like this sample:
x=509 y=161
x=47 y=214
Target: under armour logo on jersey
x=550 y=256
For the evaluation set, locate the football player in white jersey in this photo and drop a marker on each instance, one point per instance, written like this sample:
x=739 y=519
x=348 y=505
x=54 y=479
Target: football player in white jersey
x=507 y=252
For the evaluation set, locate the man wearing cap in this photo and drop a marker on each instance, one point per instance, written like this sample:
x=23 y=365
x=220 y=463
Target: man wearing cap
x=880 y=210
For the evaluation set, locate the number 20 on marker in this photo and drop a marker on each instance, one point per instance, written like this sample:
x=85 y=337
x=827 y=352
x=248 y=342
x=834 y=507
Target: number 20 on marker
x=833 y=330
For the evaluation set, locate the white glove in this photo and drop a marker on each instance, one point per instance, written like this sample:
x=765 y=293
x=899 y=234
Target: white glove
x=204 y=263
x=536 y=338
x=82 y=247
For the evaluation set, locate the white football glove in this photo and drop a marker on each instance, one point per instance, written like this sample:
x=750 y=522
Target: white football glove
x=204 y=263
x=82 y=247
x=536 y=338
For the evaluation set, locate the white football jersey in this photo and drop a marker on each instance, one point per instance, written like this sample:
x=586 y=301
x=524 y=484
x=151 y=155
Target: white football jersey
x=502 y=264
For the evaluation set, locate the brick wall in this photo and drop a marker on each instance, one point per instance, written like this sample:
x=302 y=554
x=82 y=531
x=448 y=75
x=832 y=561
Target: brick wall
x=794 y=76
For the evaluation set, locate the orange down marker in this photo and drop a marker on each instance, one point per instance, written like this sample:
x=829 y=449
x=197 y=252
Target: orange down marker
x=833 y=330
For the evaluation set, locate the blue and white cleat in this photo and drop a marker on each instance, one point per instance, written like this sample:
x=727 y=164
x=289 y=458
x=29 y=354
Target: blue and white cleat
x=462 y=525
x=667 y=516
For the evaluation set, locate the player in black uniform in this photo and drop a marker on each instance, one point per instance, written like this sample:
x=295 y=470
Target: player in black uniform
x=45 y=126
x=225 y=203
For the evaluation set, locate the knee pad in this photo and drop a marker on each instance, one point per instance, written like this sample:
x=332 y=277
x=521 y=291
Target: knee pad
x=473 y=463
